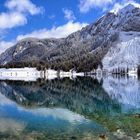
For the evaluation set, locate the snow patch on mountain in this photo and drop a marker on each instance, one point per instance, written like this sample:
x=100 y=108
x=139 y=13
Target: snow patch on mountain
x=19 y=50
x=124 y=54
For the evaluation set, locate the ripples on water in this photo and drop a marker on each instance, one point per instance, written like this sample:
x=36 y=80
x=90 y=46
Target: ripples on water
x=82 y=108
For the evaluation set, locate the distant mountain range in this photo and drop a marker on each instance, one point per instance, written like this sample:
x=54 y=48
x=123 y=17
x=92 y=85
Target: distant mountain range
x=112 y=41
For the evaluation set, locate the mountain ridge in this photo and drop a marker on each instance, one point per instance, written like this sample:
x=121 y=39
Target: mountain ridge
x=83 y=50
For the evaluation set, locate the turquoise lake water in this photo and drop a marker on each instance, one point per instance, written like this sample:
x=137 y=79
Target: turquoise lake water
x=83 y=108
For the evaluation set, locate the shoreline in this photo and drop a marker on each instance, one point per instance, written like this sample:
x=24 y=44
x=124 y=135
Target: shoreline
x=32 y=74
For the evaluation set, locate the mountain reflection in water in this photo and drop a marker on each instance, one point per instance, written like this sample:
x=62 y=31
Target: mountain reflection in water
x=64 y=108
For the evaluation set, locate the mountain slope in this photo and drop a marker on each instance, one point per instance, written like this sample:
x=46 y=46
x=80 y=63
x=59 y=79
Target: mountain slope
x=84 y=49
x=125 y=53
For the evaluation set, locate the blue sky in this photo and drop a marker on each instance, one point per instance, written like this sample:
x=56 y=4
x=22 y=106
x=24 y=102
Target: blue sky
x=49 y=18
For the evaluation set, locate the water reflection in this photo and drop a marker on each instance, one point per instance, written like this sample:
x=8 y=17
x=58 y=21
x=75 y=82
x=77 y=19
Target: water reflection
x=125 y=91
x=65 y=108
x=84 y=95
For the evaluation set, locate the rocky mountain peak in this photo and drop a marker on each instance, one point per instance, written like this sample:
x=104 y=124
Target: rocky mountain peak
x=128 y=18
x=127 y=9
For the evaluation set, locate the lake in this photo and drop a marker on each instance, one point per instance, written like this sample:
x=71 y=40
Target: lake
x=83 y=108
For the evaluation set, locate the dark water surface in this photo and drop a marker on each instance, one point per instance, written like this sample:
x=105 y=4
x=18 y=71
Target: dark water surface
x=78 y=109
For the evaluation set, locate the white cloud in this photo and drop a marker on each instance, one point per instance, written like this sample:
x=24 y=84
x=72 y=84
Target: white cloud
x=17 y=12
x=23 y=6
x=10 y=20
x=55 y=32
x=16 y=15
x=69 y=15
x=86 y=5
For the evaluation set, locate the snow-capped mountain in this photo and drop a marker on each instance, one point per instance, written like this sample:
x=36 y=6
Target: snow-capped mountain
x=125 y=52
x=113 y=40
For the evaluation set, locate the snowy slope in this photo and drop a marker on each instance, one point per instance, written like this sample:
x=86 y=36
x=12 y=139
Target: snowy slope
x=125 y=53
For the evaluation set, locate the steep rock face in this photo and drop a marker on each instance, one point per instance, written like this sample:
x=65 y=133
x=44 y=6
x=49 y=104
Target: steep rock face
x=83 y=49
